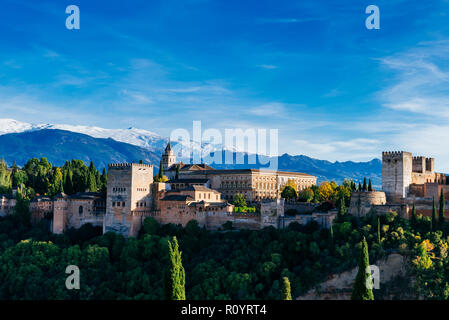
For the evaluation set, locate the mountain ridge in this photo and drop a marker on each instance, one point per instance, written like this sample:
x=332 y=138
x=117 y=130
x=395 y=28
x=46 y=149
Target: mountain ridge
x=132 y=144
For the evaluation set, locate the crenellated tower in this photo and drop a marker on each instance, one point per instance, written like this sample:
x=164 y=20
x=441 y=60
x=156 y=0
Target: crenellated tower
x=397 y=167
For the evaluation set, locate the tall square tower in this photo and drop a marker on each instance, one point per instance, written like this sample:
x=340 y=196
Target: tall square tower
x=128 y=193
x=396 y=173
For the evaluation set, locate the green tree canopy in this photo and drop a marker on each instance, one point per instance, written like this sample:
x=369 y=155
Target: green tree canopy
x=363 y=282
x=175 y=277
x=286 y=292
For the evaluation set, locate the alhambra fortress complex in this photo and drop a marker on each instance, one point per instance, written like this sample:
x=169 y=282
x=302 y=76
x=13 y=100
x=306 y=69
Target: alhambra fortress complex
x=199 y=192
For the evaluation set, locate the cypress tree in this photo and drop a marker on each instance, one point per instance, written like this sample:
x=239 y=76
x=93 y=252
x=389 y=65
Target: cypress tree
x=364 y=184
x=370 y=186
x=378 y=230
x=362 y=290
x=360 y=186
x=331 y=238
x=434 y=217
x=104 y=179
x=161 y=172
x=341 y=206
x=92 y=182
x=441 y=209
x=286 y=291
x=69 y=188
x=414 y=218
x=175 y=277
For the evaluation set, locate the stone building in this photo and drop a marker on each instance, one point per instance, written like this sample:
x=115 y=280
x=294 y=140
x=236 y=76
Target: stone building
x=7 y=204
x=406 y=181
x=255 y=184
x=193 y=202
x=129 y=197
x=78 y=209
x=404 y=175
x=41 y=207
x=199 y=193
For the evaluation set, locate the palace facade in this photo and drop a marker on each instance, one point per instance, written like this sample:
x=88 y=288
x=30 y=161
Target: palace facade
x=193 y=192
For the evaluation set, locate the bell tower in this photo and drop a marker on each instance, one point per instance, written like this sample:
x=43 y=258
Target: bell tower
x=168 y=158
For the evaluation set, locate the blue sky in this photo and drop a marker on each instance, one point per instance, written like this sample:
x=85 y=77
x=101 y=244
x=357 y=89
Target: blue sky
x=311 y=69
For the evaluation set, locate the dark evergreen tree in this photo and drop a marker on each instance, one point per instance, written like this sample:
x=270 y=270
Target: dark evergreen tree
x=175 y=277
x=378 y=231
x=414 y=219
x=21 y=211
x=433 y=226
x=370 y=186
x=161 y=172
x=360 y=186
x=441 y=209
x=104 y=180
x=286 y=291
x=363 y=282
x=92 y=182
x=69 y=187
x=331 y=238
x=341 y=206
x=364 y=184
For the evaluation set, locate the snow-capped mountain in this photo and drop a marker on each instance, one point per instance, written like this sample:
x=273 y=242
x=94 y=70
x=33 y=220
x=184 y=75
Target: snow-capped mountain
x=20 y=141
x=138 y=137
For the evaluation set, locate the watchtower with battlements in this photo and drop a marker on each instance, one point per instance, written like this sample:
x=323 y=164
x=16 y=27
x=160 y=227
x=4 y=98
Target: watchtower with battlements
x=397 y=167
x=128 y=193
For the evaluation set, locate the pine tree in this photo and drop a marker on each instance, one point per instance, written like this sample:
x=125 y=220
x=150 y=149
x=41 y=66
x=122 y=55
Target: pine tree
x=161 y=172
x=434 y=217
x=341 y=206
x=363 y=281
x=286 y=291
x=69 y=188
x=175 y=278
x=331 y=238
x=104 y=180
x=378 y=231
x=441 y=209
x=370 y=186
x=364 y=184
x=92 y=182
x=414 y=219
x=57 y=186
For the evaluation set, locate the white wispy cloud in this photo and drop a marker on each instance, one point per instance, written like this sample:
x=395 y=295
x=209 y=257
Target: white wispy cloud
x=359 y=149
x=268 y=109
x=137 y=97
x=288 y=20
x=421 y=80
x=267 y=66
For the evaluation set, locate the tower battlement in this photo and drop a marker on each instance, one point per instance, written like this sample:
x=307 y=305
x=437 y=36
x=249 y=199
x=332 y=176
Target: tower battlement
x=128 y=165
x=393 y=155
x=396 y=173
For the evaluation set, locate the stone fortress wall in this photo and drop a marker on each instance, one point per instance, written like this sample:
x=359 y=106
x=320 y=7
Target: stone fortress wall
x=200 y=193
x=406 y=181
